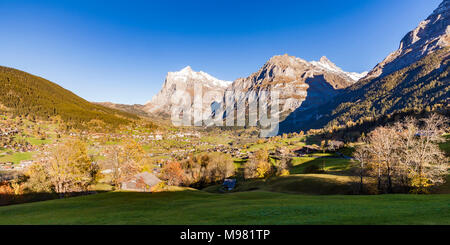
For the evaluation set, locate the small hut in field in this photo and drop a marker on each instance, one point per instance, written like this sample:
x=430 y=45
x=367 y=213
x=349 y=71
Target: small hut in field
x=142 y=182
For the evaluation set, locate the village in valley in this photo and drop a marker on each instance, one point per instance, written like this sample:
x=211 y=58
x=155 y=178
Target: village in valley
x=165 y=151
x=24 y=142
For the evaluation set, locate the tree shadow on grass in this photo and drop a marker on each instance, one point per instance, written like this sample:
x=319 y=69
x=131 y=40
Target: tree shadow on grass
x=10 y=199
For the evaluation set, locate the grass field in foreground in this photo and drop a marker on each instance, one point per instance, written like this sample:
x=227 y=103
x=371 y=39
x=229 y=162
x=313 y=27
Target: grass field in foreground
x=312 y=184
x=331 y=164
x=256 y=207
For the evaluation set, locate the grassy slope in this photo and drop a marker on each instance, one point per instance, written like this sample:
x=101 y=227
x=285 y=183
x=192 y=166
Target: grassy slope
x=331 y=164
x=313 y=184
x=16 y=157
x=445 y=188
x=197 y=207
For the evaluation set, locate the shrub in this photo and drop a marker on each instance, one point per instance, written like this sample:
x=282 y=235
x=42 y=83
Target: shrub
x=283 y=166
x=173 y=173
x=258 y=166
x=199 y=170
x=312 y=169
x=263 y=169
x=284 y=172
x=161 y=186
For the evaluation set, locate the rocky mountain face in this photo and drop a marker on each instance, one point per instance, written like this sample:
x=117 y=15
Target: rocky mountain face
x=430 y=35
x=415 y=77
x=178 y=90
x=301 y=84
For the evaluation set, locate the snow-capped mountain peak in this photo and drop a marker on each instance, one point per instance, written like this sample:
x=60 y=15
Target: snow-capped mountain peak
x=182 y=83
x=186 y=70
x=325 y=64
x=356 y=76
x=198 y=77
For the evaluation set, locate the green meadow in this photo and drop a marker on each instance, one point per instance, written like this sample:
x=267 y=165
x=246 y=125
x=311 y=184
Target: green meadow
x=254 y=207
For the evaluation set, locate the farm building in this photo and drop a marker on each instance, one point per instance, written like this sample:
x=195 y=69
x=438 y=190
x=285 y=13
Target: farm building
x=142 y=182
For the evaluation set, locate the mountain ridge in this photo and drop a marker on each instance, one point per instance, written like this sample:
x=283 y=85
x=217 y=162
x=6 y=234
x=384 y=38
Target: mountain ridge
x=414 y=77
x=301 y=84
x=25 y=94
x=431 y=34
x=182 y=82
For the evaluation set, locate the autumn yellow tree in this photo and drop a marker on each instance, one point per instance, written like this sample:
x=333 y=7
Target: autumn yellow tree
x=407 y=154
x=97 y=125
x=125 y=161
x=258 y=165
x=206 y=168
x=173 y=173
x=219 y=167
x=424 y=161
x=67 y=168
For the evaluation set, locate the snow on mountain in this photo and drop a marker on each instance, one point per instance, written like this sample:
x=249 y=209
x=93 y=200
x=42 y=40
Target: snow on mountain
x=202 y=77
x=179 y=87
x=326 y=64
x=302 y=85
x=357 y=76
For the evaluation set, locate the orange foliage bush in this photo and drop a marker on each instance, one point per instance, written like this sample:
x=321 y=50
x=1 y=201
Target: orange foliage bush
x=173 y=173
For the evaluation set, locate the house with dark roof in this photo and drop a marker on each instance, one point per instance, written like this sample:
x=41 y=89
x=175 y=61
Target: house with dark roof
x=142 y=182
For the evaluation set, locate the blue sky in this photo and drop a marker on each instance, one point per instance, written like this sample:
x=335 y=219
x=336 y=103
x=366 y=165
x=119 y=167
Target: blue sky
x=121 y=51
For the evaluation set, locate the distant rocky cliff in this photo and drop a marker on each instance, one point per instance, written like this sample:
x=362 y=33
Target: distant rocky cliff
x=430 y=35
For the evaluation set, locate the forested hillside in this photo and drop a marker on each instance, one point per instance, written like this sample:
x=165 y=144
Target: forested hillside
x=28 y=95
x=424 y=85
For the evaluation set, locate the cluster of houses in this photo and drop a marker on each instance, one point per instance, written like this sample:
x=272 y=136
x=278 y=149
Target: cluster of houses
x=185 y=134
x=150 y=137
x=19 y=147
x=161 y=136
x=143 y=138
x=9 y=166
x=8 y=131
x=6 y=141
x=306 y=150
x=234 y=152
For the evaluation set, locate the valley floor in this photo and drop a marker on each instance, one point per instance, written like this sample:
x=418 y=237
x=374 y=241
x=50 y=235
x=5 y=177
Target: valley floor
x=255 y=207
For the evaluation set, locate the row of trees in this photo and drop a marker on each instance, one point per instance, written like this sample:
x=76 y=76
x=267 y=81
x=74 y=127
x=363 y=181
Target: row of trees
x=405 y=156
x=259 y=165
x=68 y=167
x=417 y=87
x=199 y=170
x=208 y=168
